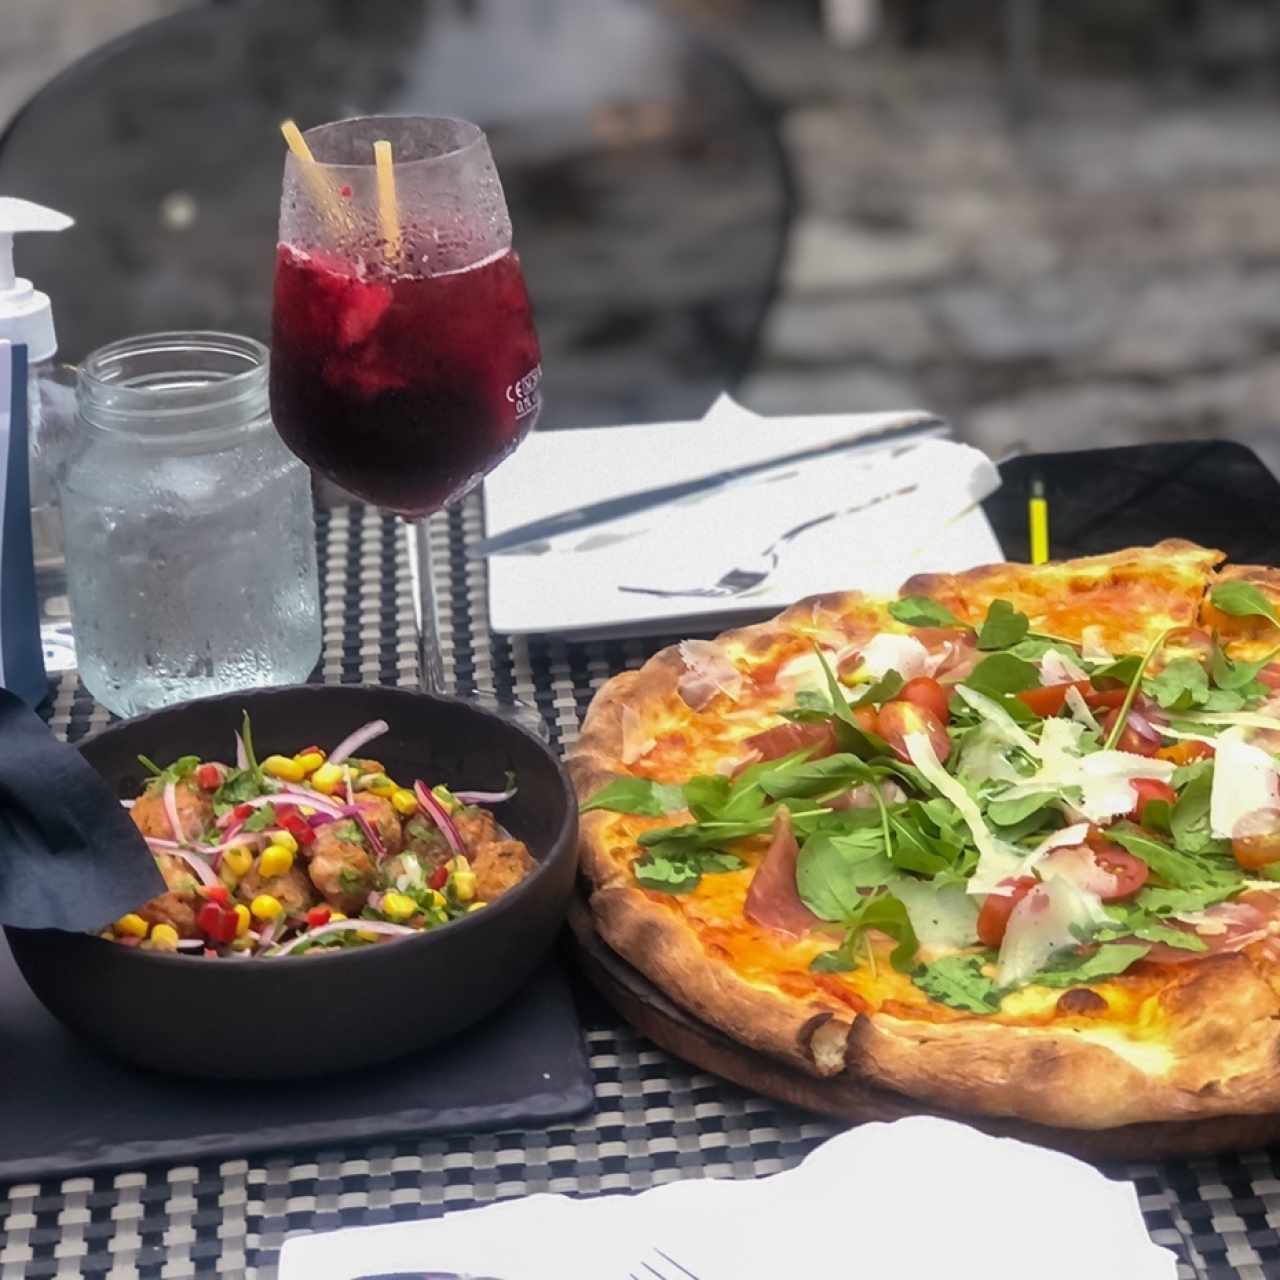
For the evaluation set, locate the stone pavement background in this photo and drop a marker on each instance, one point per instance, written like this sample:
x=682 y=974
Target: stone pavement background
x=1107 y=272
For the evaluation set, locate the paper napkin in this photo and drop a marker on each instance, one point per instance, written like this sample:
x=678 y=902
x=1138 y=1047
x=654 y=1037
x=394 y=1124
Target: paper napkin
x=920 y=1198
x=895 y=511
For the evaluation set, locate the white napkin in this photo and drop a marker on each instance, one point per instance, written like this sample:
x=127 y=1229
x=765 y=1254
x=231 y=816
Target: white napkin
x=920 y=1198
x=576 y=586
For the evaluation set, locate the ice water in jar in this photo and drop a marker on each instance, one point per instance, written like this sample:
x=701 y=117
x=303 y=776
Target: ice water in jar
x=190 y=540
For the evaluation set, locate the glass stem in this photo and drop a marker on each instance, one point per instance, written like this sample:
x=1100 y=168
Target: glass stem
x=430 y=659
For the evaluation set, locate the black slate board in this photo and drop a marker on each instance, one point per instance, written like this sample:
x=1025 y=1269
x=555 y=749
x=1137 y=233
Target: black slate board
x=65 y=1108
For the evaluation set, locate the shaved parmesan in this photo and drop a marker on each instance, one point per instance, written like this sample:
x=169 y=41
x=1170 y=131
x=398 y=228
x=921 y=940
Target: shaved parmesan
x=635 y=742
x=1190 y=737
x=1238 y=719
x=1079 y=709
x=1091 y=647
x=1058 y=840
x=903 y=654
x=997 y=859
x=1057 y=667
x=1244 y=779
x=804 y=672
x=992 y=712
x=1048 y=920
x=709 y=670
x=945 y=916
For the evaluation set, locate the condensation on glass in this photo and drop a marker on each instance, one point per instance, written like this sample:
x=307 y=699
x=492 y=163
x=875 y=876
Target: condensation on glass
x=190 y=538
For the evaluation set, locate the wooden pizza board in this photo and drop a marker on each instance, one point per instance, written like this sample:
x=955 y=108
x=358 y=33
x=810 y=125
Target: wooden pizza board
x=849 y=1098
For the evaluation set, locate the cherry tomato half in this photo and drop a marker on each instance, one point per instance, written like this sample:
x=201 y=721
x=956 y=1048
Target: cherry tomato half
x=928 y=693
x=208 y=777
x=1051 y=698
x=1103 y=699
x=1256 y=839
x=1130 y=873
x=783 y=739
x=898 y=719
x=1130 y=739
x=1148 y=789
x=993 y=919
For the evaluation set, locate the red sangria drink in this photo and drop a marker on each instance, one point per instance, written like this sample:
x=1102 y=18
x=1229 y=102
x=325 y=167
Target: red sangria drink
x=405 y=390
x=404 y=361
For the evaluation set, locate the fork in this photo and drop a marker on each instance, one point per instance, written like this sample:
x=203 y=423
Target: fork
x=739 y=580
x=672 y=1270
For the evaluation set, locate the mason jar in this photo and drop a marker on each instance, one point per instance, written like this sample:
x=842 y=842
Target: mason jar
x=190 y=537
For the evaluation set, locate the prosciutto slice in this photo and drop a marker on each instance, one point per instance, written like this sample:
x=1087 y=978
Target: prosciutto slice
x=773 y=900
x=708 y=671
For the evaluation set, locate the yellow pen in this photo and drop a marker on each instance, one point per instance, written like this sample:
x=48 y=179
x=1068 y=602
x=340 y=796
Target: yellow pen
x=1038 y=522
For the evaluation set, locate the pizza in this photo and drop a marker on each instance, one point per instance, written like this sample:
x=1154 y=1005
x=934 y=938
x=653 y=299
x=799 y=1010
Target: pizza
x=1008 y=843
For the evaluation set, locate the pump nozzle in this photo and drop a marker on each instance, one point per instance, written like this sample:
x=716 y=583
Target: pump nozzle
x=25 y=314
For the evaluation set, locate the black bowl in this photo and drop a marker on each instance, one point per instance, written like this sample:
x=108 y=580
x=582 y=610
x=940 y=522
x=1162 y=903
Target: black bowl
x=310 y=1015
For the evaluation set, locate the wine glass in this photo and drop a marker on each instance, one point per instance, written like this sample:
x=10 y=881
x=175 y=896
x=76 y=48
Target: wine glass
x=404 y=362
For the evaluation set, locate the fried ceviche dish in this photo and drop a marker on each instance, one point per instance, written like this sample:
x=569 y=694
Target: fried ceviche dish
x=309 y=853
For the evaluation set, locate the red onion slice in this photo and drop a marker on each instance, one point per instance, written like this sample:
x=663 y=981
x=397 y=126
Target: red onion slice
x=1143 y=727
x=436 y=811
x=321 y=803
x=367 y=828
x=485 y=797
x=190 y=944
x=242 y=756
x=171 y=810
x=354 y=741
x=204 y=872
x=341 y=926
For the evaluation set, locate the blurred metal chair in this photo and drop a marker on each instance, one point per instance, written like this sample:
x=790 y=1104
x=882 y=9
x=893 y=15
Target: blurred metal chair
x=648 y=186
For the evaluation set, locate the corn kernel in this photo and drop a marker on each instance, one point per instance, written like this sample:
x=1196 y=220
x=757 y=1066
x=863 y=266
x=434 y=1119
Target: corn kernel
x=367 y=935
x=327 y=778
x=242 y=919
x=370 y=766
x=265 y=907
x=446 y=797
x=283 y=767
x=309 y=761
x=337 y=915
x=436 y=899
x=164 y=937
x=403 y=801
x=464 y=885
x=286 y=840
x=385 y=789
x=238 y=860
x=275 y=861
x=398 y=906
x=475 y=906
x=132 y=926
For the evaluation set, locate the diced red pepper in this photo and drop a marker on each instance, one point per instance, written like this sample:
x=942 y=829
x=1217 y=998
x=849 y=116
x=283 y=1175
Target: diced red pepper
x=439 y=877
x=208 y=777
x=298 y=827
x=241 y=812
x=318 y=916
x=218 y=893
x=216 y=922
x=313 y=750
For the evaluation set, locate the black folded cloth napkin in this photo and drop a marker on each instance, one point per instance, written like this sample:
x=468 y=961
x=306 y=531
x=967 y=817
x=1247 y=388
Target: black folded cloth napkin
x=70 y=857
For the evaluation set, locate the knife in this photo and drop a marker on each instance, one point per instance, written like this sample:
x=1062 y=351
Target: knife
x=524 y=537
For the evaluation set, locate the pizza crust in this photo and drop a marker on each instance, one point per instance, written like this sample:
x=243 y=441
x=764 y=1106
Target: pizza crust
x=1217 y=1049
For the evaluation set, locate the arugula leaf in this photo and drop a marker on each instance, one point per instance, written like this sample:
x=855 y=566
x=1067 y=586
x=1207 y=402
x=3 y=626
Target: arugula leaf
x=815 y=777
x=1187 y=773
x=1164 y=902
x=1157 y=816
x=1002 y=673
x=1181 y=870
x=1122 y=715
x=1109 y=959
x=1182 y=684
x=1034 y=647
x=674 y=871
x=884 y=912
x=1133 y=921
x=1235 y=673
x=1242 y=600
x=914 y=849
x=888 y=686
x=958 y=981
x=849 y=733
x=920 y=611
x=1189 y=820
x=261 y=819
x=1008 y=813
x=1004 y=626
x=1122 y=670
x=833 y=868
x=636 y=795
